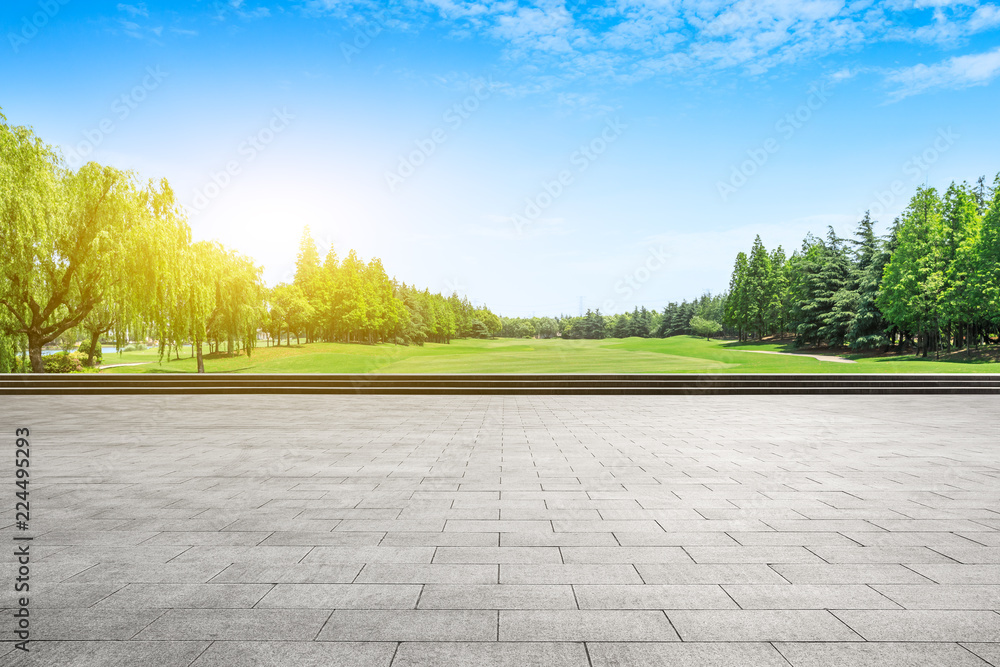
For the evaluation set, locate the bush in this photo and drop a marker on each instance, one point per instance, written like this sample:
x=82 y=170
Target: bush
x=84 y=350
x=63 y=362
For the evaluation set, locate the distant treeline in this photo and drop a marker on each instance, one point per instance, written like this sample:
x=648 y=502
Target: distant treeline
x=932 y=283
x=350 y=301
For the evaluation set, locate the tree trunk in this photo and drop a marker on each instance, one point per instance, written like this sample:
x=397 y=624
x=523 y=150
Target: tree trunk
x=201 y=358
x=35 y=353
x=94 y=337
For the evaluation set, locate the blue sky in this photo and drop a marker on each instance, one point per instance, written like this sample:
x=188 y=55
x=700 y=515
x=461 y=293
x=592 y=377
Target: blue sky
x=527 y=154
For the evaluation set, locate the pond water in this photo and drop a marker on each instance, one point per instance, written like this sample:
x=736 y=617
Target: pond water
x=104 y=349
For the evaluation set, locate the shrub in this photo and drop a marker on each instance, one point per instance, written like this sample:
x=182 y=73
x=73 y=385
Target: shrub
x=63 y=362
x=84 y=350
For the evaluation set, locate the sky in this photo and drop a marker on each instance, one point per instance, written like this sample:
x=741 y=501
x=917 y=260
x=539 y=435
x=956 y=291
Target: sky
x=539 y=157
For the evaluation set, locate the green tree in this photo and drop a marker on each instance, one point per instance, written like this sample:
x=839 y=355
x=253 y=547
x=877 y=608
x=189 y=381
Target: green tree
x=72 y=240
x=914 y=279
x=703 y=327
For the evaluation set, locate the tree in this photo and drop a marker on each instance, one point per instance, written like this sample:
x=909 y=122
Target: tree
x=309 y=278
x=703 y=327
x=760 y=290
x=915 y=276
x=72 y=240
x=865 y=324
x=737 y=313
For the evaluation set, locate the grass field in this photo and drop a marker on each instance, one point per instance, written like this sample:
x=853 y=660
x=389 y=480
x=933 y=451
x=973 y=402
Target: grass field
x=679 y=354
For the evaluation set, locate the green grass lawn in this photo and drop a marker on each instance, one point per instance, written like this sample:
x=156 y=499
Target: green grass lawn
x=679 y=354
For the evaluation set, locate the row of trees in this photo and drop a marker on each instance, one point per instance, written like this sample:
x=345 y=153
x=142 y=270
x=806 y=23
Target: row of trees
x=95 y=252
x=675 y=320
x=349 y=300
x=933 y=282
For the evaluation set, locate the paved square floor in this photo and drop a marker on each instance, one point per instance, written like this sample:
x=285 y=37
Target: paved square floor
x=517 y=531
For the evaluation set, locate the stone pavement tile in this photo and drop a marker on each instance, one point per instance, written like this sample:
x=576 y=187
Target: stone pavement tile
x=472 y=514
x=990 y=652
x=711 y=573
x=809 y=596
x=880 y=555
x=61 y=596
x=424 y=625
x=60 y=572
x=112 y=554
x=969 y=555
x=732 y=513
x=497 y=555
x=106 y=654
x=803 y=539
x=672 y=539
x=768 y=625
x=98 y=537
x=341 y=596
x=624 y=555
x=539 y=539
x=497 y=526
x=497 y=596
x=985 y=537
x=314 y=539
x=278 y=523
x=543 y=514
x=440 y=540
x=188 y=596
x=416 y=573
x=924 y=625
x=389 y=525
x=769 y=554
x=848 y=573
x=901 y=539
x=957 y=573
x=823 y=525
x=652 y=596
x=661 y=654
x=236 y=624
x=207 y=538
x=299 y=654
x=580 y=573
x=296 y=573
x=943 y=596
x=86 y=624
x=376 y=554
x=151 y=573
x=261 y=554
x=922 y=525
x=589 y=625
x=491 y=654
x=875 y=654
x=711 y=526
x=605 y=526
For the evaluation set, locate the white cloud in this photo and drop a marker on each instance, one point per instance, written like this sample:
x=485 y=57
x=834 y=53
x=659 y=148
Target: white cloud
x=958 y=72
x=986 y=17
x=133 y=10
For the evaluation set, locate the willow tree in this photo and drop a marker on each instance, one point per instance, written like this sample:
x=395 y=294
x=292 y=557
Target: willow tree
x=70 y=240
x=226 y=297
